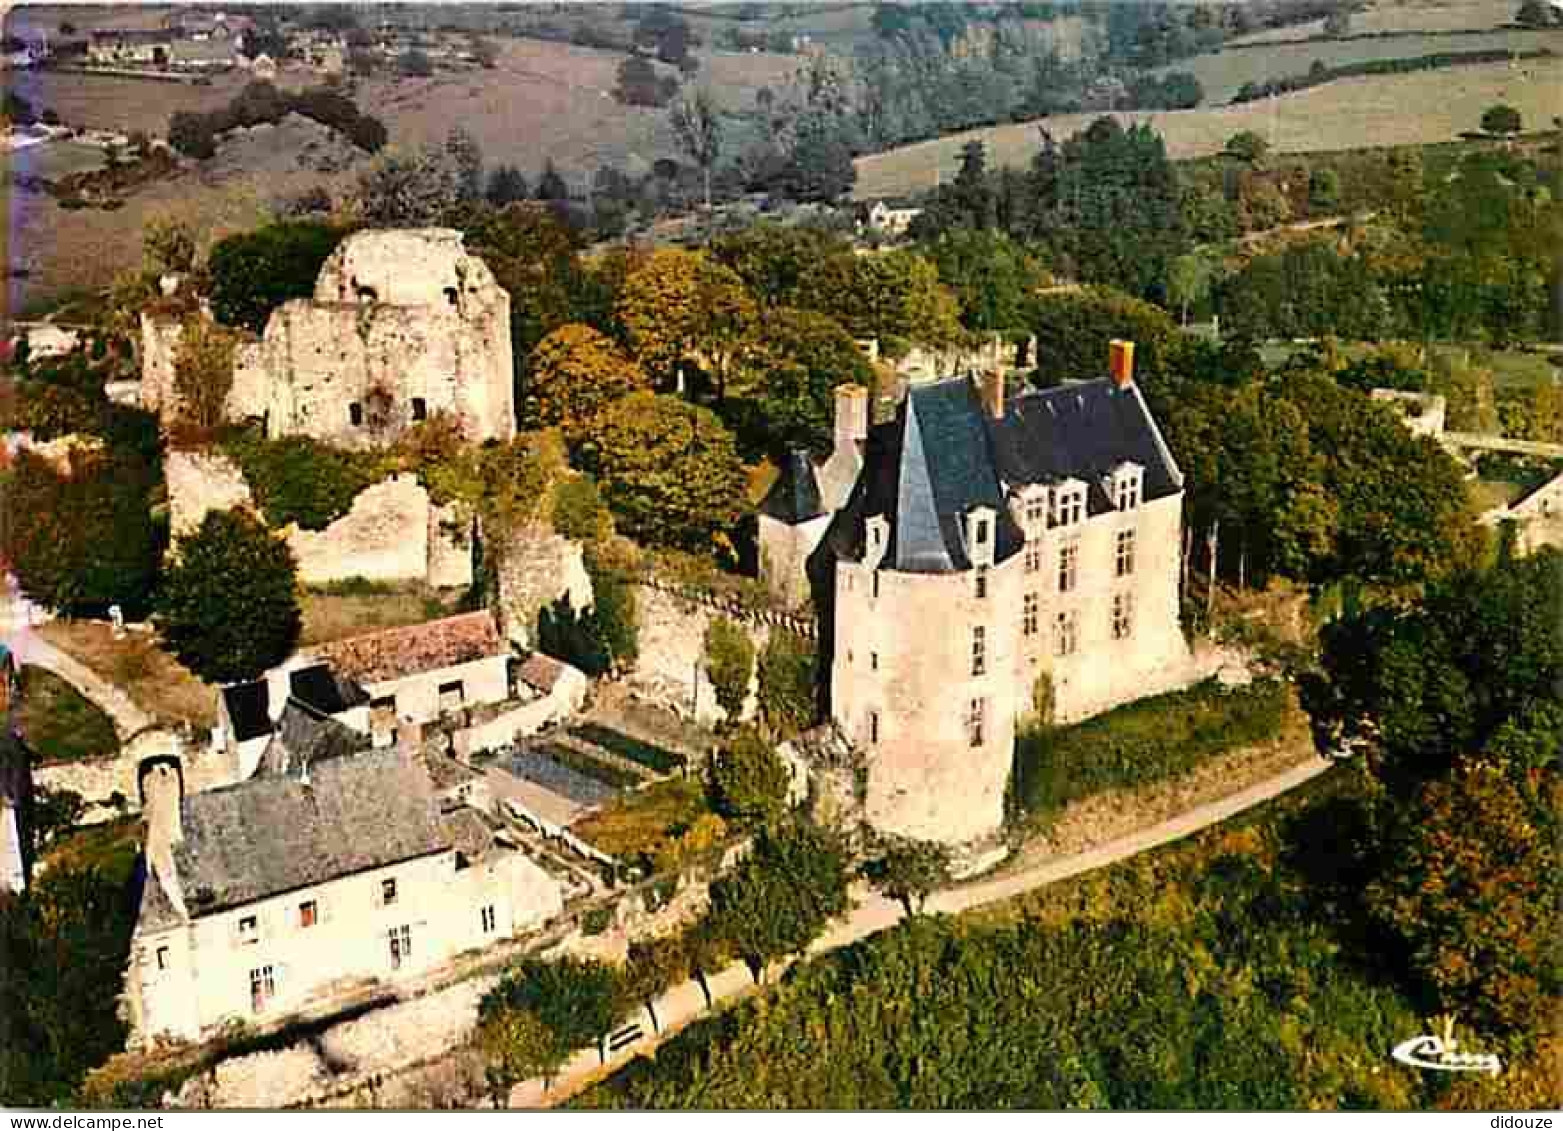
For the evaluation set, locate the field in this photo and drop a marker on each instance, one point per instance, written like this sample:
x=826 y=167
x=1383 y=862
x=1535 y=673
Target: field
x=335 y=616
x=55 y=159
x=1398 y=16
x=1223 y=73
x=1359 y=113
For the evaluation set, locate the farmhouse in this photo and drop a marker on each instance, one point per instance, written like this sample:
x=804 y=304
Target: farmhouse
x=403 y=324
x=138 y=48
x=995 y=557
x=325 y=880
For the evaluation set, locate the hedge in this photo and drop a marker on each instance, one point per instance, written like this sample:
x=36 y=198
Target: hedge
x=301 y=480
x=626 y=746
x=1319 y=74
x=1141 y=744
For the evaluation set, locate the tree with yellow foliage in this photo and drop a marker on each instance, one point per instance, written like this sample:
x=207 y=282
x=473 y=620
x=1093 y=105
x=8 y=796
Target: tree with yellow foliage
x=573 y=374
x=681 y=306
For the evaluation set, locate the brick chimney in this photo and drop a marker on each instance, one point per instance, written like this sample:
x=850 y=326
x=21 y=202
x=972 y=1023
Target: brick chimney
x=990 y=387
x=1120 y=362
x=851 y=414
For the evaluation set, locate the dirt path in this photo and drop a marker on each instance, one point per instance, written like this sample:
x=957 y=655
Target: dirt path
x=129 y=719
x=875 y=913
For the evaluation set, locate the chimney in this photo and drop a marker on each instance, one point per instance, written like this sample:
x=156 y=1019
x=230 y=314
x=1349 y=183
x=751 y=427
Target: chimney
x=990 y=387
x=1120 y=362
x=851 y=414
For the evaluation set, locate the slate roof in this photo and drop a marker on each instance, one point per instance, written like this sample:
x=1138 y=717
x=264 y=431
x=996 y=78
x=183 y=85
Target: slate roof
x=249 y=709
x=416 y=648
x=304 y=737
x=272 y=835
x=944 y=455
x=795 y=496
x=324 y=690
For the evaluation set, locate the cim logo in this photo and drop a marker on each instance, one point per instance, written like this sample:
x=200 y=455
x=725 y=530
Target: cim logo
x=1439 y=1055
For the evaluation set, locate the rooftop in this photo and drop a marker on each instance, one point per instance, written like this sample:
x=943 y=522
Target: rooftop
x=395 y=653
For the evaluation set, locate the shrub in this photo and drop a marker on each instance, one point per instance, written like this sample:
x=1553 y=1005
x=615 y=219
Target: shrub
x=255 y=272
x=579 y=512
x=300 y=480
x=1501 y=119
x=788 y=683
x=596 y=921
x=1143 y=743
x=749 y=780
x=729 y=659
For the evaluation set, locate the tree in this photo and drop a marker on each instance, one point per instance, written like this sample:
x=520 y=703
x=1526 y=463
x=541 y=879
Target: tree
x=415 y=63
x=576 y=1000
x=790 y=365
x=168 y=245
x=749 y=781
x=506 y=185
x=773 y=260
x=229 y=608
x=551 y=185
x=408 y=190
x=203 y=371
x=1188 y=282
x=1535 y=14
x=788 y=676
x=729 y=661
x=894 y=294
x=697 y=127
x=669 y=471
x=638 y=84
x=518 y=1046
x=1473 y=893
x=1248 y=146
x=909 y=870
x=255 y=272
x=1501 y=119
x=1338 y=23
x=192 y=134
x=573 y=374
x=1074 y=328
x=1323 y=190
x=779 y=899
x=81 y=538
x=466 y=158
x=992 y=277
x=679 y=304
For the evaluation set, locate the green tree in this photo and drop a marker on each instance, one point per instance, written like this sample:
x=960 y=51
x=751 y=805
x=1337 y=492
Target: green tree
x=697 y=127
x=781 y=897
x=518 y=1046
x=255 y=272
x=729 y=662
x=192 y=134
x=1501 y=119
x=81 y=538
x=748 y=779
x=669 y=471
x=408 y=189
x=576 y=1000
x=1188 y=282
x=773 y=260
x=168 y=245
x=909 y=870
x=790 y=366
x=788 y=683
x=1473 y=893
x=230 y=563
x=1074 y=328
x=573 y=374
x=1535 y=14
x=1248 y=146
x=1324 y=191
x=894 y=294
x=506 y=185
x=466 y=158
x=992 y=276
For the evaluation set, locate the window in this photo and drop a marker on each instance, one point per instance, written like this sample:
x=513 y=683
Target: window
x=1070 y=508
x=451 y=697
x=873 y=728
x=874 y=593
x=1125 y=553
x=1028 y=614
x=1126 y=493
x=1123 y=615
x=450 y=295
x=1068 y=567
x=263 y=987
x=401 y=945
x=249 y=929
x=1033 y=558
x=308 y=913
x=420 y=409
x=982 y=582
x=387 y=892
x=355 y=413
x=162 y=958
x=488 y=918
x=982 y=532
x=1064 y=635
x=974 y=722
x=979 y=650
x=873 y=661
x=1036 y=512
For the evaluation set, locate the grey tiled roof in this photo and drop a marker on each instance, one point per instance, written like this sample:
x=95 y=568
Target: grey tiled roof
x=303 y=737
x=795 y=496
x=944 y=455
x=272 y=835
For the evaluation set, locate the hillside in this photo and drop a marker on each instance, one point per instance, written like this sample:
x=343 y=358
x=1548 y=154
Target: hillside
x=1381 y=110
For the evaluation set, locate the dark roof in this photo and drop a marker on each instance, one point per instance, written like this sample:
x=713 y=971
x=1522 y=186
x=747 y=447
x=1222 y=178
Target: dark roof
x=249 y=710
x=321 y=688
x=944 y=455
x=304 y=737
x=794 y=497
x=272 y=835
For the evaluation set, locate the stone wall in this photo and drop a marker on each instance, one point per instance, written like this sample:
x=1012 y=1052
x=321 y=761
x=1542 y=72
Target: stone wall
x=535 y=568
x=392 y=532
x=670 y=669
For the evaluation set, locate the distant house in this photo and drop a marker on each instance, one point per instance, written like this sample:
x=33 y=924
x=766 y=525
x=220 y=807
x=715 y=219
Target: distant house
x=318 y=884
x=130 y=48
x=891 y=221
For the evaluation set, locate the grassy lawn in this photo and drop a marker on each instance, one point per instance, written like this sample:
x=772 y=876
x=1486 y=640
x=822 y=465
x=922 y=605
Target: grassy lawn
x=340 y=612
x=154 y=680
x=646 y=821
x=59 y=723
x=1142 y=744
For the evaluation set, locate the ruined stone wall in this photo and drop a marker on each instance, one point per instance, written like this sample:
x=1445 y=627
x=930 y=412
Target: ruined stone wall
x=670 y=669
x=450 y=541
x=201 y=481
x=535 y=568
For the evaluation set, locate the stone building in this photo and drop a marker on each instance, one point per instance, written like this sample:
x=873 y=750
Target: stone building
x=403 y=324
x=325 y=880
x=996 y=557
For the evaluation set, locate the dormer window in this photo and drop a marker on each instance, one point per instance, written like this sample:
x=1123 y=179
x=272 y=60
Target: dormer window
x=1069 y=505
x=982 y=532
x=1127 y=482
x=979 y=535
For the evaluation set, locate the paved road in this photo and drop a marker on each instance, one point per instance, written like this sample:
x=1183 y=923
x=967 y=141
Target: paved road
x=874 y=913
x=1503 y=444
